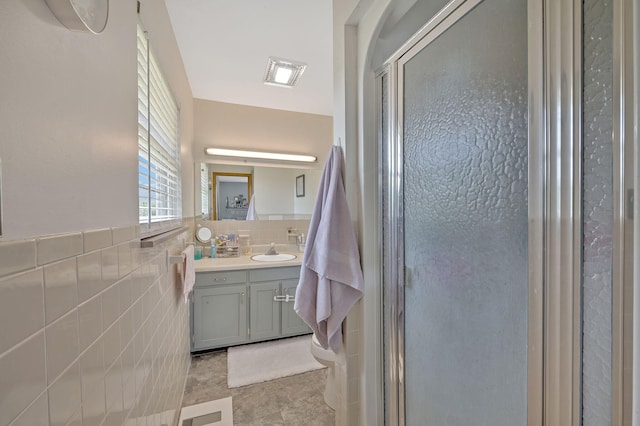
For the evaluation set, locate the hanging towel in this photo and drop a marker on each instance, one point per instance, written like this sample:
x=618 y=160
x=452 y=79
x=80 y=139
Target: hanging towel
x=331 y=279
x=251 y=213
x=188 y=273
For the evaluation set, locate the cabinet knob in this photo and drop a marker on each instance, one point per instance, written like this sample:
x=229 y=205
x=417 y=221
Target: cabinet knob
x=242 y=298
x=220 y=279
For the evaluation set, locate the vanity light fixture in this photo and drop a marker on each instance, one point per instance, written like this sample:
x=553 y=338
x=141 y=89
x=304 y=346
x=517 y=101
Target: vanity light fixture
x=261 y=155
x=283 y=72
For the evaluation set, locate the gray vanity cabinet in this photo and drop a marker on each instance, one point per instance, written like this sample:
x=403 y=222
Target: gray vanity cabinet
x=291 y=322
x=219 y=316
x=236 y=307
x=265 y=313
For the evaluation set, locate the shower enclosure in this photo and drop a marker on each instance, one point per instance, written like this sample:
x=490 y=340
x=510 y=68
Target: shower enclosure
x=506 y=220
x=506 y=151
x=457 y=205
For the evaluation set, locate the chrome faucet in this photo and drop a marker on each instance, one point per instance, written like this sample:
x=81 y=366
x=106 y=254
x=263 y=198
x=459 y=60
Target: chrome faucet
x=301 y=242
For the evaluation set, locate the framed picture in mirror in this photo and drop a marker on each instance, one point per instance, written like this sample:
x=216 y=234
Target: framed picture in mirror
x=300 y=186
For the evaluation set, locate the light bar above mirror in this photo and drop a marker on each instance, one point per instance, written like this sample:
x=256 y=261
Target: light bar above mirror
x=261 y=155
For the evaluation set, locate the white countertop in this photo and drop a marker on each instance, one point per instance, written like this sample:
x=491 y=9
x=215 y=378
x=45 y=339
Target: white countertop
x=241 y=262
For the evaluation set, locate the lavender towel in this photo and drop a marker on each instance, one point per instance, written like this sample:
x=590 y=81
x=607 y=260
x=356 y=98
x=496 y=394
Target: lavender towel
x=331 y=279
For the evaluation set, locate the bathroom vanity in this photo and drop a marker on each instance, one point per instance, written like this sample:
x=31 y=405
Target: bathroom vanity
x=239 y=300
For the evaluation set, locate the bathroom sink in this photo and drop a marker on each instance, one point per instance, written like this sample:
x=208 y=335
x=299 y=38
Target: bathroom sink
x=273 y=257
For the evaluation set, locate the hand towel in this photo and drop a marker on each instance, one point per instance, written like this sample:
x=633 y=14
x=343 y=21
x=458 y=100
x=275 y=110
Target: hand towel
x=331 y=280
x=251 y=213
x=188 y=273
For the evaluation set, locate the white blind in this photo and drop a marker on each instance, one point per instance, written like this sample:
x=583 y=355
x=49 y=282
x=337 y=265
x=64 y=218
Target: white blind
x=159 y=188
x=204 y=191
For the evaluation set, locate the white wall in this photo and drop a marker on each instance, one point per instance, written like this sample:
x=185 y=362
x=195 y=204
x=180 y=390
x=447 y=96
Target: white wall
x=304 y=205
x=68 y=148
x=356 y=23
x=274 y=189
x=262 y=129
x=68 y=114
x=76 y=304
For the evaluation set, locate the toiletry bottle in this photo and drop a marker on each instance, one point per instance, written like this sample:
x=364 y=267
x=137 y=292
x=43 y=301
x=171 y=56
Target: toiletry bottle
x=245 y=243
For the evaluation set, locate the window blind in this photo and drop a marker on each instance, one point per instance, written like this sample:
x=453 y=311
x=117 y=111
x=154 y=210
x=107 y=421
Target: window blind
x=159 y=186
x=204 y=192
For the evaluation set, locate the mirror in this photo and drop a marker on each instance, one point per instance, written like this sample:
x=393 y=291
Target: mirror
x=204 y=234
x=231 y=193
x=202 y=193
x=276 y=189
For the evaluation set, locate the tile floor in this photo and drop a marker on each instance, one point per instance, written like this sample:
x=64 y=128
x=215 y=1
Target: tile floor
x=290 y=401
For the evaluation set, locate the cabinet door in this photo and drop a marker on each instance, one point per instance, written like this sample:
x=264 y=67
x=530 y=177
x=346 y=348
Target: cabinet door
x=291 y=322
x=219 y=316
x=264 y=311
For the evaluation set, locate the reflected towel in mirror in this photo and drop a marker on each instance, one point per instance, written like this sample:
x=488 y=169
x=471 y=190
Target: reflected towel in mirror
x=251 y=213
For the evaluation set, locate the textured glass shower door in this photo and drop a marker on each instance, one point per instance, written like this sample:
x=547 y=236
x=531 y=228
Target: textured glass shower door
x=462 y=108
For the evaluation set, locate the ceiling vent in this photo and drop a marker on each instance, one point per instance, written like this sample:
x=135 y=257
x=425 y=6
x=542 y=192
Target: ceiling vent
x=283 y=72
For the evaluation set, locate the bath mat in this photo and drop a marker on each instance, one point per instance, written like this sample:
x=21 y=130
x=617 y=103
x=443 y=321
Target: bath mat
x=260 y=362
x=210 y=413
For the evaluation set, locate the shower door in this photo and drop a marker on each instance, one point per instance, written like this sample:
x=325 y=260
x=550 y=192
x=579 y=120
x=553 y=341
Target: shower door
x=455 y=220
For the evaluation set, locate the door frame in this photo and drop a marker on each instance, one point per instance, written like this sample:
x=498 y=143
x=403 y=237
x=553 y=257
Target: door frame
x=625 y=361
x=635 y=138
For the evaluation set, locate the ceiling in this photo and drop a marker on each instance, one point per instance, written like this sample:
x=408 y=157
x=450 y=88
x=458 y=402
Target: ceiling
x=225 y=46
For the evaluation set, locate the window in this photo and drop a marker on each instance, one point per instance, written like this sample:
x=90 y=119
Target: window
x=204 y=190
x=159 y=186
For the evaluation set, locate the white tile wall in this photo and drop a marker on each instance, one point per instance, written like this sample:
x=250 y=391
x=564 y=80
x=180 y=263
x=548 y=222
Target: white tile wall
x=92 y=384
x=21 y=307
x=350 y=370
x=95 y=240
x=91 y=331
x=60 y=288
x=23 y=377
x=57 y=247
x=36 y=414
x=76 y=419
x=110 y=305
x=128 y=233
x=62 y=344
x=65 y=396
x=261 y=231
x=90 y=319
x=17 y=256
x=89 y=275
x=110 y=270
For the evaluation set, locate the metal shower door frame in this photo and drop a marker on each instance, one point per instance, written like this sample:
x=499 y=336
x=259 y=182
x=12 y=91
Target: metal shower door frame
x=554 y=208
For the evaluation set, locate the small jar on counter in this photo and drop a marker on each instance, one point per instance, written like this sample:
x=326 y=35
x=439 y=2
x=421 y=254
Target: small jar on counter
x=245 y=244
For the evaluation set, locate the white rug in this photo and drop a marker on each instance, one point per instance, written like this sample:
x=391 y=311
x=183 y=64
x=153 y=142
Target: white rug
x=260 y=362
